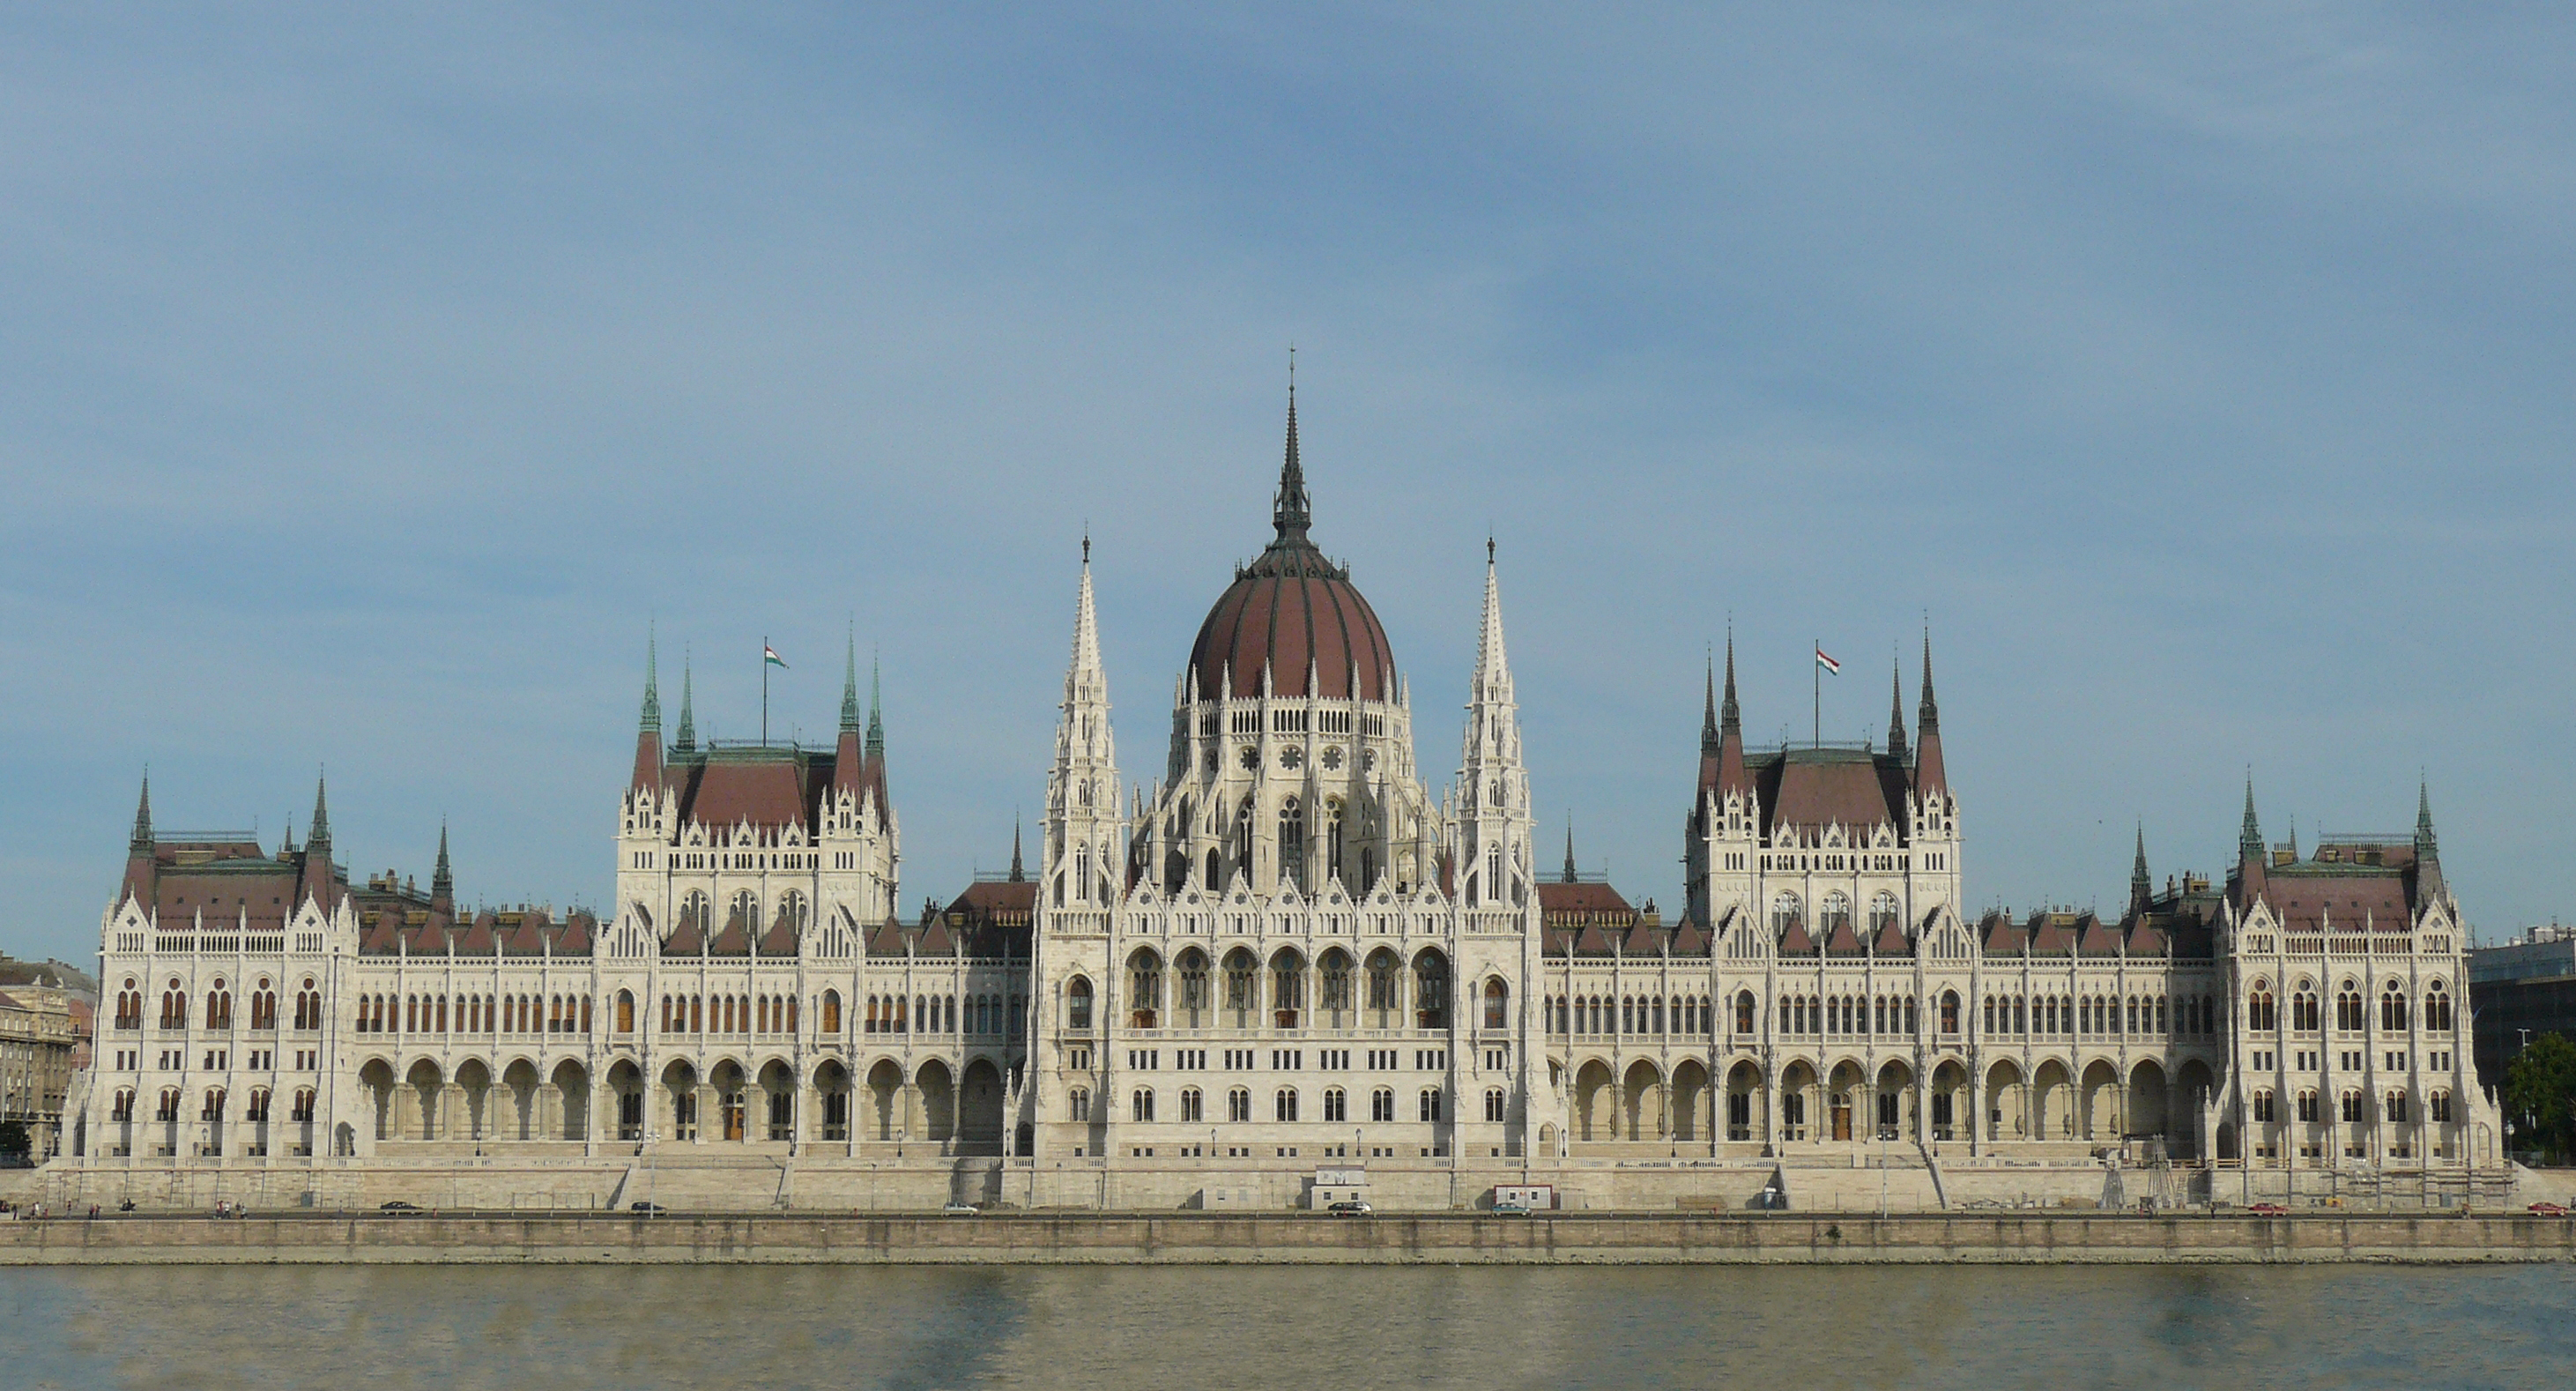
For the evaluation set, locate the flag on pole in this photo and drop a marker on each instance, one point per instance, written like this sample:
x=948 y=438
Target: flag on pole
x=1828 y=663
x=770 y=655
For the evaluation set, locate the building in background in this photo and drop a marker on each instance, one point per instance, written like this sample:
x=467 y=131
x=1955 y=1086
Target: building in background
x=2521 y=990
x=46 y=1009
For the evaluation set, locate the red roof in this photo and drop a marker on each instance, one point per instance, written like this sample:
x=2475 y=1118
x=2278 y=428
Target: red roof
x=1290 y=610
x=1815 y=788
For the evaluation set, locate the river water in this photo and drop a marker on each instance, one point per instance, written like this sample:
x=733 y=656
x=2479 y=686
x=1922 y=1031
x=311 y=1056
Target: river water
x=358 y=1328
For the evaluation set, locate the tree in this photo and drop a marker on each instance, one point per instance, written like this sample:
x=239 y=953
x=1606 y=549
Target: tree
x=2540 y=1088
x=13 y=1137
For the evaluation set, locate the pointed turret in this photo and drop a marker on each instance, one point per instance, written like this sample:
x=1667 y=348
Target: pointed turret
x=318 y=881
x=142 y=839
x=1721 y=763
x=1291 y=513
x=686 y=739
x=873 y=769
x=849 y=776
x=648 y=727
x=1708 y=711
x=1930 y=775
x=1569 y=850
x=140 y=868
x=1493 y=669
x=2428 y=848
x=1496 y=854
x=2141 y=888
x=1080 y=845
x=1896 y=712
x=442 y=880
x=1018 y=874
x=2251 y=875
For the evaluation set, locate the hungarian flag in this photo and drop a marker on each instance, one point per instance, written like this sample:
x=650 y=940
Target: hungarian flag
x=770 y=655
x=1828 y=663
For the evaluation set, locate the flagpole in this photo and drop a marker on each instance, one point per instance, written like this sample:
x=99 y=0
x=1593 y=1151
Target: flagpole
x=764 y=690
x=1815 y=675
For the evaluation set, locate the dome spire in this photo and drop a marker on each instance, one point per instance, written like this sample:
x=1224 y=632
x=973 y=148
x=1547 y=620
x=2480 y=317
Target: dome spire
x=1291 y=512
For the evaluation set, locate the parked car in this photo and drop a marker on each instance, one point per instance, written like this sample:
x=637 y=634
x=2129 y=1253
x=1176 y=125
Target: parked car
x=398 y=1205
x=960 y=1210
x=2548 y=1209
x=2267 y=1209
x=1353 y=1207
x=649 y=1209
x=1511 y=1210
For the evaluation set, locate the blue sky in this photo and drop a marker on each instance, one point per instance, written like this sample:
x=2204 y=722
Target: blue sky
x=370 y=381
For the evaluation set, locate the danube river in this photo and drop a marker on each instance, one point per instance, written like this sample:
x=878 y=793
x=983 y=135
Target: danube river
x=357 y=1328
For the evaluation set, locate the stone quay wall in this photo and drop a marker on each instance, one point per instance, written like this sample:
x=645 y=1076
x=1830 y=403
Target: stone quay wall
x=1284 y=1239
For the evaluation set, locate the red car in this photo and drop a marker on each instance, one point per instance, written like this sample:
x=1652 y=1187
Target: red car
x=2267 y=1209
x=2548 y=1209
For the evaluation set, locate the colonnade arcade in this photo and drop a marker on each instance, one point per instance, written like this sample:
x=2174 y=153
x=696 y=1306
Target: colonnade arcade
x=956 y=1104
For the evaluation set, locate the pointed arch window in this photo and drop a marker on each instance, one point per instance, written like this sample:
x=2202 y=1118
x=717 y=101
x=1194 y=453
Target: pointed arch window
x=1333 y=840
x=1292 y=843
x=1883 y=913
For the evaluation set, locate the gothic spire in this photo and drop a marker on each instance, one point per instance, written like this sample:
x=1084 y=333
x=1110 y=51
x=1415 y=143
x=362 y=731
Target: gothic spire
x=2141 y=888
x=1896 y=710
x=1928 y=718
x=2249 y=837
x=850 y=684
x=876 y=709
x=1493 y=670
x=1931 y=774
x=143 y=816
x=1730 y=719
x=1569 y=848
x=442 y=880
x=1018 y=874
x=687 y=738
x=317 y=837
x=2427 y=847
x=652 y=716
x=1708 y=709
x=1291 y=512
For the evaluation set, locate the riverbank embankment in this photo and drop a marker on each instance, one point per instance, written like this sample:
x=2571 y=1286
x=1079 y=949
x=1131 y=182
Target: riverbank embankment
x=1287 y=1239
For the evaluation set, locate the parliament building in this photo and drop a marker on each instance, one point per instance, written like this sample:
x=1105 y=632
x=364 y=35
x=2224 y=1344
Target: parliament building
x=1282 y=953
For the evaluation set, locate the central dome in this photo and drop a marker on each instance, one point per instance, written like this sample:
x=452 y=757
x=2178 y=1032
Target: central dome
x=1292 y=611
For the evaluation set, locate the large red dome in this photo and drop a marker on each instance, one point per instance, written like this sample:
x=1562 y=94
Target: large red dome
x=1291 y=610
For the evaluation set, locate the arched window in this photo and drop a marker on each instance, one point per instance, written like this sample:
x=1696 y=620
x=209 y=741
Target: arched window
x=1430 y=1107
x=1382 y=969
x=1078 y=1103
x=1241 y=990
x=174 y=1006
x=625 y=1011
x=1835 y=915
x=1292 y=843
x=2348 y=1014
x=1744 y=1012
x=1194 y=985
x=2392 y=1009
x=1336 y=1104
x=2308 y=1108
x=2395 y=1108
x=1238 y=1105
x=831 y=1011
x=746 y=912
x=2352 y=1108
x=1082 y=878
x=1193 y=1105
x=1498 y=999
x=1284 y=1105
x=1140 y=1106
x=1335 y=975
x=2437 y=1009
x=1144 y=988
x=1883 y=913
x=2261 y=1014
x=1431 y=991
x=1382 y=1104
x=2305 y=1016
x=1077 y=1015
x=1786 y=913
x=1949 y=1011
x=1287 y=987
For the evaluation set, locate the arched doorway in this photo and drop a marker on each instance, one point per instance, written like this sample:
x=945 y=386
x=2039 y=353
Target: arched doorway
x=1642 y=1102
x=938 y=1101
x=980 y=1109
x=2101 y=1120
x=2007 y=1103
x=1744 y=1102
x=1690 y=1094
x=1592 y=1102
x=2147 y=1099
